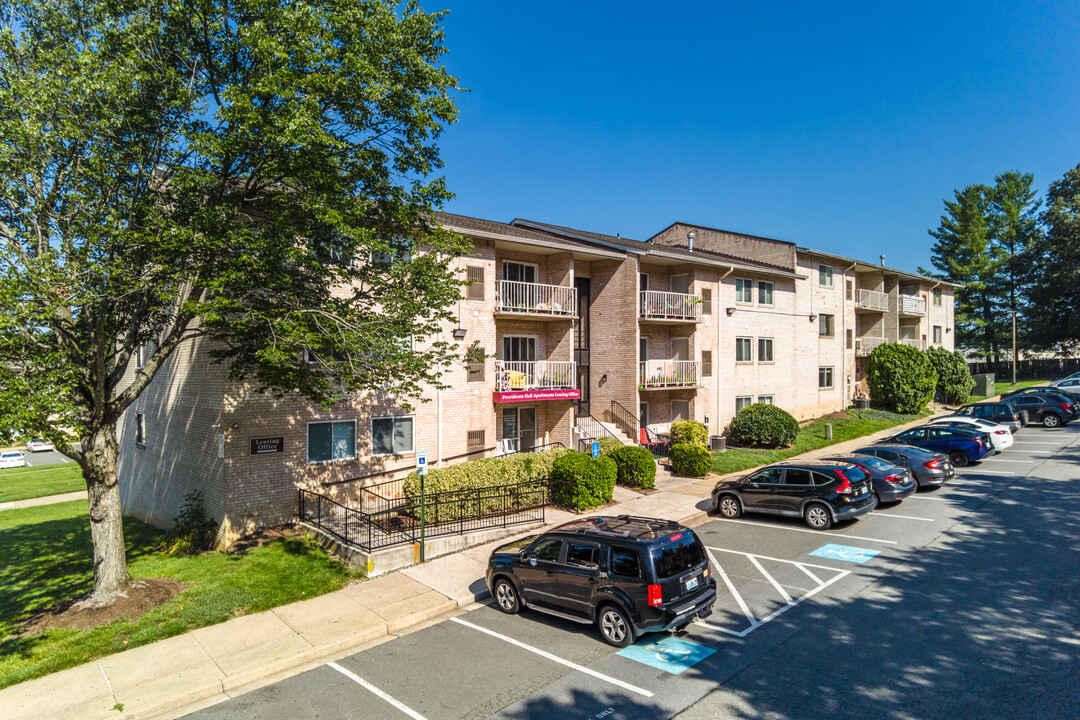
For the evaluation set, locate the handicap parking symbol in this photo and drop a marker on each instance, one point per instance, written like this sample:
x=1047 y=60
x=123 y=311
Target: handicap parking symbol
x=670 y=654
x=845 y=553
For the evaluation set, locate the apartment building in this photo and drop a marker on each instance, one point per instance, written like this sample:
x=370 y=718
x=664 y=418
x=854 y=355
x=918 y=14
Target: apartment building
x=581 y=333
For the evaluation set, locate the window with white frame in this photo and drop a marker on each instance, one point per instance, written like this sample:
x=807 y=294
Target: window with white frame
x=391 y=435
x=140 y=429
x=825 y=275
x=519 y=272
x=937 y=334
x=743 y=350
x=474 y=274
x=329 y=441
x=743 y=401
x=744 y=290
x=764 y=350
x=764 y=292
x=765 y=399
x=826 y=325
x=825 y=377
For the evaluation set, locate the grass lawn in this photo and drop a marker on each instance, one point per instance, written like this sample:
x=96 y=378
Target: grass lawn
x=45 y=558
x=1002 y=388
x=812 y=437
x=31 y=482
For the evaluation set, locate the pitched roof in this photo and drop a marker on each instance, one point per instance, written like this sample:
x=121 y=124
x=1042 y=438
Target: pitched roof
x=490 y=228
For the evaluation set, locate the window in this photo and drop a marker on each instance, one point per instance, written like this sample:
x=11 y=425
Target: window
x=764 y=350
x=768 y=476
x=474 y=363
x=391 y=435
x=706 y=363
x=825 y=275
x=706 y=301
x=475 y=275
x=849 y=291
x=937 y=297
x=475 y=440
x=743 y=401
x=519 y=348
x=643 y=279
x=625 y=562
x=680 y=410
x=327 y=441
x=743 y=350
x=312 y=359
x=824 y=377
x=643 y=349
x=680 y=284
x=798 y=476
x=826 y=325
x=399 y=249
x=744 y=290
x=141 y=353
x=547 y=550
x=519 y=272
x=937 y=334
x=765 y=399
x=675 y=558
x=850 y=339
x=140 y=429
x=583 y=556
x=764 y=292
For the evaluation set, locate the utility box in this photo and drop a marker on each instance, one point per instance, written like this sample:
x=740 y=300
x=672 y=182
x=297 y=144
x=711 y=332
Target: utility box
x=718 y=443
x=984 y=384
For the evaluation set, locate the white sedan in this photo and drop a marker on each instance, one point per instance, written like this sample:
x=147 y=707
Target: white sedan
x=38 y=445
x=1000 y=435
x=12 y=459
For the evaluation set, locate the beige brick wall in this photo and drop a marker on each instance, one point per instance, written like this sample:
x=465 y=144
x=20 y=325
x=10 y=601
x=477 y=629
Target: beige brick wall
x=748 y=247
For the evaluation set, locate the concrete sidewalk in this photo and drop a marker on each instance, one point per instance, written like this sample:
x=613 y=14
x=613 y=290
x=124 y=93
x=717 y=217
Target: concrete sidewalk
x=46 y=500
x=181 y=674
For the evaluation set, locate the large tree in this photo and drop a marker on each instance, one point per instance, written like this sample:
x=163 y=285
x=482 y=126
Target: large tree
x=1055 y=290
x=255 y=174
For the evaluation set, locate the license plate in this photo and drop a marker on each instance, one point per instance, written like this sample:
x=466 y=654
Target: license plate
x=691 y=583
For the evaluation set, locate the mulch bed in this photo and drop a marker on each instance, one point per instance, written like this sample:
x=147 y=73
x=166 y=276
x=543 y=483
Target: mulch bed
x=141 y=596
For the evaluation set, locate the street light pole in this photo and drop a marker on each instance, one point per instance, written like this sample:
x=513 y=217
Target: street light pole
x=1014 y=347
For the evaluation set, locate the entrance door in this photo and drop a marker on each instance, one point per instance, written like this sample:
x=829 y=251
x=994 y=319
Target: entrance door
x=527 y=428
x=680 y=284
x=581 y=344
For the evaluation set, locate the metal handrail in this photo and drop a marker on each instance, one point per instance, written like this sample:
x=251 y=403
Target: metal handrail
x=537 y=448
x=873 y=300
x=669 y=373
x=865 y=345
x=525 y=297
x=669 y=305
x=535 y=375
x=627 y=421
x=912 y=305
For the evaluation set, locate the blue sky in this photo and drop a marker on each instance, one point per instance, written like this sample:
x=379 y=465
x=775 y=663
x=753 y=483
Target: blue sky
x=839 y=126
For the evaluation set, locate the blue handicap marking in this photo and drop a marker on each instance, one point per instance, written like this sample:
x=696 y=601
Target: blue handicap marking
x=670 y=654
x=845 y=553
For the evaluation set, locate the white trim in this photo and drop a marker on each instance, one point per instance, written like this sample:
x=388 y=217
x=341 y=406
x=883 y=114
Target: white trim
x=772 y=351
x=534 y=266
x=534 y=338
x=307 y=441
x=832 y=275
x=752 y=287
x=371 y=430
x=772 y=399
x=744 y=337
x=772 y=292
x=743 y=397
x=832 y=377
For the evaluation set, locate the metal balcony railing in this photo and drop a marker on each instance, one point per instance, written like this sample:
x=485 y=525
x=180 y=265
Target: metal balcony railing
x=656 y=305
x=872 y=300
x=920 y=344
x=865 y=345
x=539 y=375
x=512 y=296
x=912 y=305
x=669 y=373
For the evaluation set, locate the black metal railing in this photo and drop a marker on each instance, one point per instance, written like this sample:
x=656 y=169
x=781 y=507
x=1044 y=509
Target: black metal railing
x=590 y=429
x=536 y=448
x=625 y=420
x=388 y=521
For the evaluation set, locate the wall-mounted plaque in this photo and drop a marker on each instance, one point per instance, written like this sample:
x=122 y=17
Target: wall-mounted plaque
x=265 y=446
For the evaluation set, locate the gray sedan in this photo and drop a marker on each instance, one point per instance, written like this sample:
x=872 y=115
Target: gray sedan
x=930 y=468
x=892 y=483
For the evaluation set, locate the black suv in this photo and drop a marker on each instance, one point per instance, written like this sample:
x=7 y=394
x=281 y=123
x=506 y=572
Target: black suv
x=821 y=493
x=1004 y=413
x=629 y=575
x=1050 y=408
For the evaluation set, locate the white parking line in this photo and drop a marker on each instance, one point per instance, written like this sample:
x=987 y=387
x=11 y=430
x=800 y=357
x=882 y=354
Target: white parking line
x=902 y=517
x=735 y=593
x=371 y=688
x=935 y=499
x=771 y=579
x=813 y=532
x=1033 y=442
x=994 y=472
x=995 y=459
x=555 y=658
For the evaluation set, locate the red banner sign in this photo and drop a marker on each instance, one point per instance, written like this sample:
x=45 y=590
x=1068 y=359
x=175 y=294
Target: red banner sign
x=527 y=395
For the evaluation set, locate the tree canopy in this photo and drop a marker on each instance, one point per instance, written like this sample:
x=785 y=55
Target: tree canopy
x=1055 y=269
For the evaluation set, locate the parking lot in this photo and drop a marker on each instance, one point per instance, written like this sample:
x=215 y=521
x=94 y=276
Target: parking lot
x=957 y=602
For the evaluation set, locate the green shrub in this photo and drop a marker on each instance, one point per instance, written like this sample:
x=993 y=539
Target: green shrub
x=192 y=532
x=689 y=432
x=636 y=467
x=762 y=425
x=900 y=378
x=581 y=482
x=954 y=381
x=608 y=446
x=690 y=460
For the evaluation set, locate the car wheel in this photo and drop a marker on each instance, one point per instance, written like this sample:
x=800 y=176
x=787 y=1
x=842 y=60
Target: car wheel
x=817 y=516
x=615 y=627
x=506 y=598
x=1051 y=420
x=959 y=458
x=729 y=507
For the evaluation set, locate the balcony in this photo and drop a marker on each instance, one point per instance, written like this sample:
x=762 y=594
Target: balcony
x=533 y=300
x=541 y=380
x=669 y=307
x=666 y=374
x=871 y=301
x=865 y=345
x=920 y=344
x=911 y=306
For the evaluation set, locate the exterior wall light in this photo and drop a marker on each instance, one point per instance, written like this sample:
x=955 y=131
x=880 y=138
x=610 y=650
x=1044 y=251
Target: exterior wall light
x=730 y=311
x=459 y=333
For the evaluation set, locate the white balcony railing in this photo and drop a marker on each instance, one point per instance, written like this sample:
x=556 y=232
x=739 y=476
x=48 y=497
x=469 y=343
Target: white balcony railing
x=872 y=300
x=865 y=345
x=539 y=375
x=669 y=373
x=921 y=344
x=512 y=296
x=912 y=305
x=658 y=305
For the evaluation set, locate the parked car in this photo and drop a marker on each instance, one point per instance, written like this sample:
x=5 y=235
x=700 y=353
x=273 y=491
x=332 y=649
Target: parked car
x=1072 y=384
x=38 y=445
x=1071 y=396
x=930 y=468
x=962 y=446
x=891 y=483
x=1051 y=409
x=12 y=459
x=1003 y=413
x=1000 y=435
x=1074 y=376
x=822 y=493
x=629 y=575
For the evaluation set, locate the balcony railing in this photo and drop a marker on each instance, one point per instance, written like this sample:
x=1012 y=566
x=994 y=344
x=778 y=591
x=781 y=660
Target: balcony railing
x=920 y=344
x=912 y=305
x=539 y=375
x=872 y=300
x=669 y=373
x=865 y=345
x=512 y=296
x=656 y=305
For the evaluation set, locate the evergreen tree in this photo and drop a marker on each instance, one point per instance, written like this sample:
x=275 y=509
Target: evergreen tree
x=1055 y=289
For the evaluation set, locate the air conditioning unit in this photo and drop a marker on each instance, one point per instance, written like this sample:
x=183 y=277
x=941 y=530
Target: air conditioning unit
x=717 y=443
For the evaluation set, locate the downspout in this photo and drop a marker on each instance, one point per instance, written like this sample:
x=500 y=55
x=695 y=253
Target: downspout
x=718 y=360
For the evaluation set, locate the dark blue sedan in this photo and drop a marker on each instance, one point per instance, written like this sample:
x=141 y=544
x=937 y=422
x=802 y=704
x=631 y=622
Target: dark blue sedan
x=961 y=445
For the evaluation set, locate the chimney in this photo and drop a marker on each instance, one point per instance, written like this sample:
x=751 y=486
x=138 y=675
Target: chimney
x=690 y=240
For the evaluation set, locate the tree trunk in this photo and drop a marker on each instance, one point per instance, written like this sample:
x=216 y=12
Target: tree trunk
x=100 y=450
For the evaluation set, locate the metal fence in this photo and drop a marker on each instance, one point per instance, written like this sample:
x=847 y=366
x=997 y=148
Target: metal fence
x=1038 y=369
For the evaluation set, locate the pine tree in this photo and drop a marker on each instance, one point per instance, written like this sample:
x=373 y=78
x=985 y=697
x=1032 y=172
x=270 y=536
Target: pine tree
x=1055 y=269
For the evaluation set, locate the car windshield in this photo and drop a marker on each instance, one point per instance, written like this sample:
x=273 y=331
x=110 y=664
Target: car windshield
x=918 y=452
x=876 y=463
x=10 y=455
x=678 y=556
x=855 y=474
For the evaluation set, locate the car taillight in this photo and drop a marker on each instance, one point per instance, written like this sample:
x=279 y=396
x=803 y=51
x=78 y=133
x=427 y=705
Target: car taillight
x=1001 y=432
x=654 y=595
x=894 y=479
x=1066 y=407
x=845 y=487
x=933 y=464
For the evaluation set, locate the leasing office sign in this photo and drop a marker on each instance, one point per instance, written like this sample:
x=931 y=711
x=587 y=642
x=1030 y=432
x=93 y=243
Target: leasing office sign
x=527 y=395
x=266 y=446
